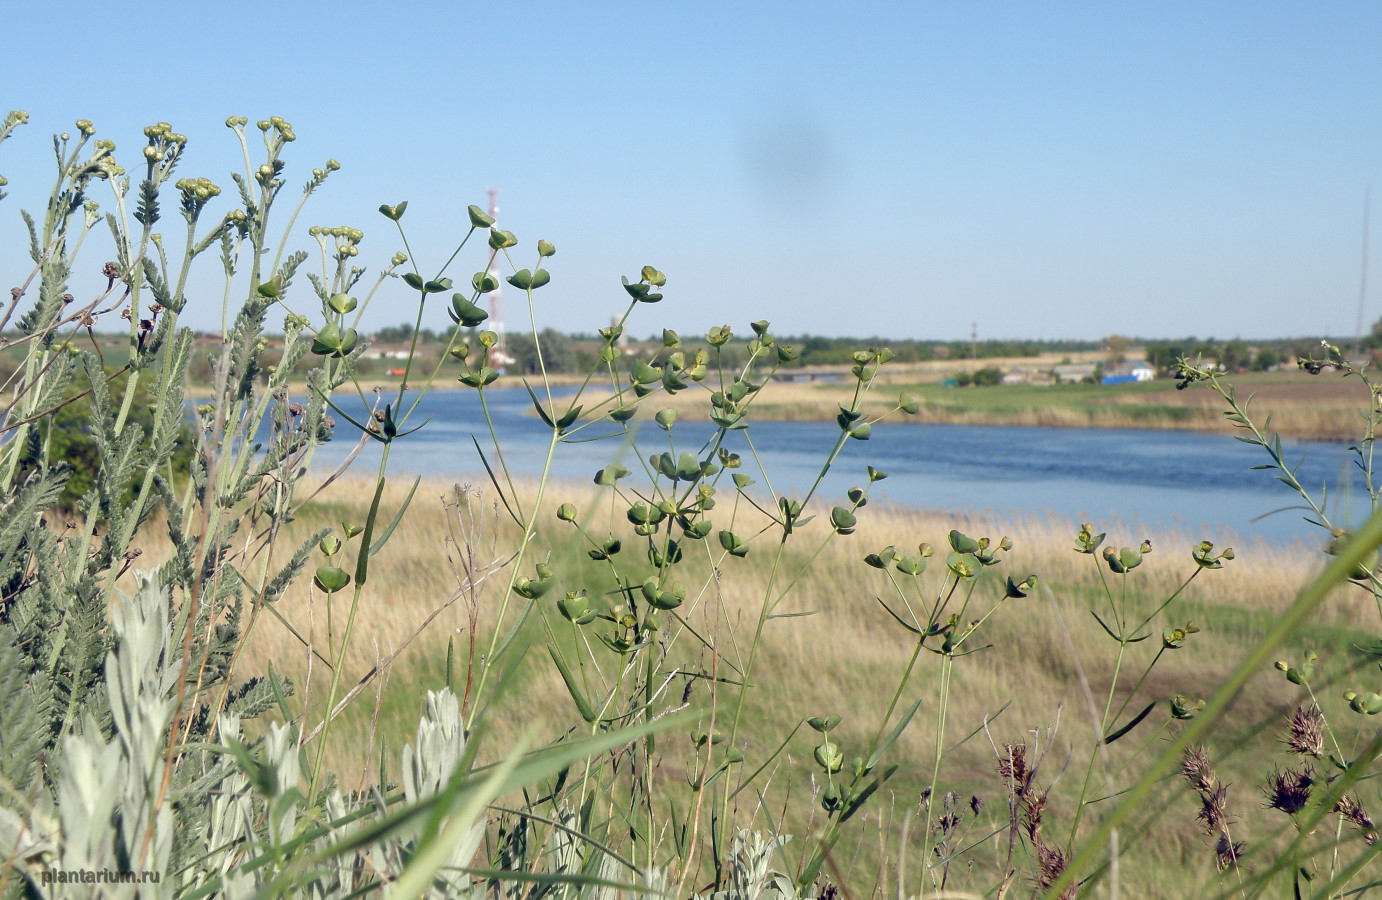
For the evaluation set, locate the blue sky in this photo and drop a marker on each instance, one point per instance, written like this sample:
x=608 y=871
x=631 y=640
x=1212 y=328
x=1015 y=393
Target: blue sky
x=1046 y=170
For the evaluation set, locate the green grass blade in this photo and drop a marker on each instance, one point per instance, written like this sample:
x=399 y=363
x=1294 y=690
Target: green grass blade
x=893 y=735
x=537 y=405
x=901 y=621
x=753 y=778
x=1131 y=725
x=432 y=851
x=484 y=460
x=582 y=704
x=398 y=517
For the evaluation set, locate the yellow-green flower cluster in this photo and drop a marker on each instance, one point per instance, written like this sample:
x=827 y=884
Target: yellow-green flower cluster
x=198 y=189
x=196 y=192
x=164 y=146
x=284 y=129
x=347 y=238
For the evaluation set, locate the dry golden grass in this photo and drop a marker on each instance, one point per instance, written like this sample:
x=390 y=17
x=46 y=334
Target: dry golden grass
x=841 y=650
x=1049 y=663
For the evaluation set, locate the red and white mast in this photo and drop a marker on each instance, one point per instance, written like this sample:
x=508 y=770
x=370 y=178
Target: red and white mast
x=498 y=354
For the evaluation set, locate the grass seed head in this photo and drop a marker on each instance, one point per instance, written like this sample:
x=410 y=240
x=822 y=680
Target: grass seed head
x=1305 y=732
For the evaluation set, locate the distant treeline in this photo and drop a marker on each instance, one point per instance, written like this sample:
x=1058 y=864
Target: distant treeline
x=578 y=352
x=1242 y=356
x=575 y=352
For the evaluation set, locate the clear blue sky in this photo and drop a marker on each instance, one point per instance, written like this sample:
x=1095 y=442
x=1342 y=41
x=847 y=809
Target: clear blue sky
x=1048 y=170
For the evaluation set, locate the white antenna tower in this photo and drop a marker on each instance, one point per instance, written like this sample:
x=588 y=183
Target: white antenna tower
x=1363 y=278
x=496 y=300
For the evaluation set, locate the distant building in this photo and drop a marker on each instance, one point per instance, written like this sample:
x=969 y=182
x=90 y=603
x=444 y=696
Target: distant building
x=1028 y=375
x=822 y=374
x=1128 y=372
x=1073 y=373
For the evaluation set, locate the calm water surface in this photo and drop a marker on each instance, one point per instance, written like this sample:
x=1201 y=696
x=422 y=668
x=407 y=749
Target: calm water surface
x=1198 y=483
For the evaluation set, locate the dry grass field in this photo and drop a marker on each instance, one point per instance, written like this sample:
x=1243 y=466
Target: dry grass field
x=1041 y=679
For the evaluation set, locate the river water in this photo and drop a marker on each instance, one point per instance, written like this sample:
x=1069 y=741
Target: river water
x=1199 y=484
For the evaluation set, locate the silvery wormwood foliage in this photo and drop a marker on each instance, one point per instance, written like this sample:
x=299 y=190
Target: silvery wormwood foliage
x=107 y=815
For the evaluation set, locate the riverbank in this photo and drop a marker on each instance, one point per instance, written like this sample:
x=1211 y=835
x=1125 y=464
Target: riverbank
x=1321 y=407
x=1324 y=407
